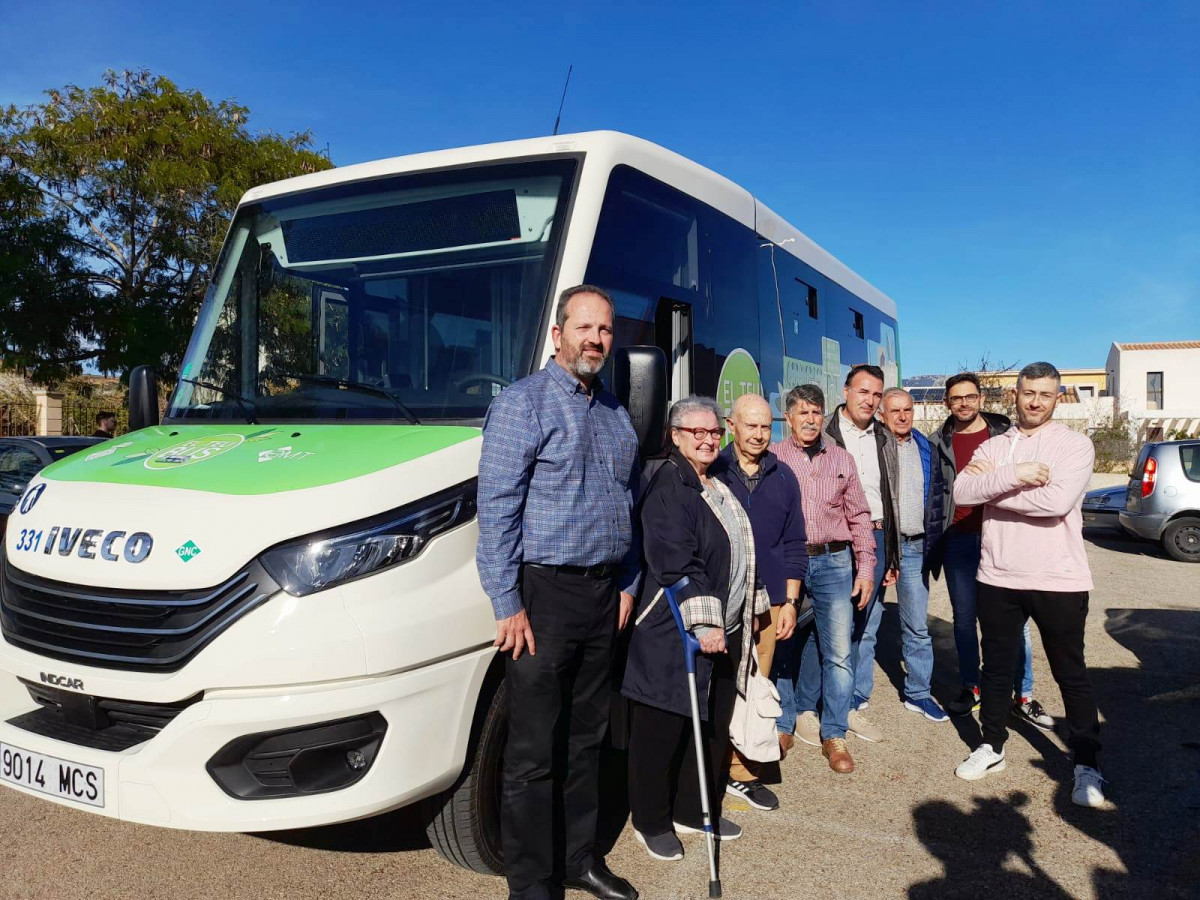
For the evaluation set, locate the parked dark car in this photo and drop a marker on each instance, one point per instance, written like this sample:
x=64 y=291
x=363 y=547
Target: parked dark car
x=1162 y=501
x=1102 y=507
x=23 y=457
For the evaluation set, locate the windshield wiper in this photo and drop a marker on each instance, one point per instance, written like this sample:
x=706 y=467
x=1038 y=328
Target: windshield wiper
x=356 y=386
x=246 y=405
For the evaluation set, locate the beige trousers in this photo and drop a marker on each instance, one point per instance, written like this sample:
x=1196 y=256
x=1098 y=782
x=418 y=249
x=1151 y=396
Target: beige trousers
x=747 y=769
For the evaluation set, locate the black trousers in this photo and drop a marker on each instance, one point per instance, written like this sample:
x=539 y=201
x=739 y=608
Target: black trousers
x=1060 y=618
x=558 y=703
x=664 y=784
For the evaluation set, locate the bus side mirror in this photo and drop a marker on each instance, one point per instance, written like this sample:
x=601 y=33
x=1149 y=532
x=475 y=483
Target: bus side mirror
x=640 y=383
x=143 y=398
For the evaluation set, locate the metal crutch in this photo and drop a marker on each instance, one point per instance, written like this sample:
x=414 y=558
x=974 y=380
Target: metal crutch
x=691 y=647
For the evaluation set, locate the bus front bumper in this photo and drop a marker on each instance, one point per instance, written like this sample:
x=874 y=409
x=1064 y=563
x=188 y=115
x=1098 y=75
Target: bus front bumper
x=423 y=717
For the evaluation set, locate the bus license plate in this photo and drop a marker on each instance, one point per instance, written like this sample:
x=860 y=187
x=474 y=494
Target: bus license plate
x=53 y=776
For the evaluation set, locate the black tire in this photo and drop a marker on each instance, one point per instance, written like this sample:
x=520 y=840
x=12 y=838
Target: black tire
x=1181 y=539
x=463 y=822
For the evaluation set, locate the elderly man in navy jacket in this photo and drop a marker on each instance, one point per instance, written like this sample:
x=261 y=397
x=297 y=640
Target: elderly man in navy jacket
x=770 y=495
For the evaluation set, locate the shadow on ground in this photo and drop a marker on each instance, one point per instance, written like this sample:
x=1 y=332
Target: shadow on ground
x=1151 y=759
x=404 y=829
x=974 y=846
x=945 y=661
x=394 y=832
x=1122 y=542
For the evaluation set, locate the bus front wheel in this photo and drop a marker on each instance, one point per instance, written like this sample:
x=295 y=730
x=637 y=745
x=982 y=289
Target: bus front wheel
x=463 y=822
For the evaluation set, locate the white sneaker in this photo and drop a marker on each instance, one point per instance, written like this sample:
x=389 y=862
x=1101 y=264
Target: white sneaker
x=808 y=728
x=982 y=761
x=1087 y=791
x=1032 y=712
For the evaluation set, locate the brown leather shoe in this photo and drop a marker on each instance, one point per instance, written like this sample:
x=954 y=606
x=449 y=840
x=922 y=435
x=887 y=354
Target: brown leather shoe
x=786 y=742
x=839 y=757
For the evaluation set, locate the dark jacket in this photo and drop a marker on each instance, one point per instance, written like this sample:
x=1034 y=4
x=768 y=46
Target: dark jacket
x=944 y=445
x=681 y=536
x=935 y=494
x=996 y=425
x=780 y=543
x=889 y=471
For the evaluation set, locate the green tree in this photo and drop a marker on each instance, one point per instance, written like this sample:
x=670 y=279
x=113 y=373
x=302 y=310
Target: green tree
x=45 y=302
x=146 y=175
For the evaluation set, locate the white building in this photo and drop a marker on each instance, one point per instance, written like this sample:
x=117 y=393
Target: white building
x=1157 y=385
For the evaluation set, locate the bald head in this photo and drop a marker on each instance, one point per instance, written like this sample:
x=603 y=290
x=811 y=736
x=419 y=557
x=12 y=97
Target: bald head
x=750 y=404
x=749 y=424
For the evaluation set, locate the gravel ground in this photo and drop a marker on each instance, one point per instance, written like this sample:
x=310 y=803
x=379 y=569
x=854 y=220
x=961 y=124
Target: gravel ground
x=901 y=826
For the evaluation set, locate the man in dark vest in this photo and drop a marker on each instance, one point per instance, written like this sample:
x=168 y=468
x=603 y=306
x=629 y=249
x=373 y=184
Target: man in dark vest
x=853 y=427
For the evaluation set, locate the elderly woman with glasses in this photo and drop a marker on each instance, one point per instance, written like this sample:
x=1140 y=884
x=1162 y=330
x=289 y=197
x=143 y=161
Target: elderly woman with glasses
x=691 y=526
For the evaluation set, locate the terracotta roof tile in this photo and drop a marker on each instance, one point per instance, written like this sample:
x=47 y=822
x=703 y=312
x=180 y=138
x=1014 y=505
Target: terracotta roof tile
x=1162 y=345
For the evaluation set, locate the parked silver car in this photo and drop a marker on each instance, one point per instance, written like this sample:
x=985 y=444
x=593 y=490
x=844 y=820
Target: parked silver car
x=1162 y=501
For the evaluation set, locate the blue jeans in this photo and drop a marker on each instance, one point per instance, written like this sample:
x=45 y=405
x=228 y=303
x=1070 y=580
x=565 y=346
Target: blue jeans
x=912 y=592
x=961 y=562
x=818 y=667
x=866 y=629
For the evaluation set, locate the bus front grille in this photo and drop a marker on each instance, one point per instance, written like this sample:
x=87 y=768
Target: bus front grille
x=123 y=629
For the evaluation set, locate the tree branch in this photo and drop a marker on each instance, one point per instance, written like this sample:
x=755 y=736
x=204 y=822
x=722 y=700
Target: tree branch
x=58 y=360
x=116 y=256
x=102 y=279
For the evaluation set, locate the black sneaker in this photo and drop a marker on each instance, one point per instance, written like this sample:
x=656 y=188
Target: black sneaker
x=967 y=702
x=725 y=830
x=1032 y=712
x=755 y=793
x=661 y=846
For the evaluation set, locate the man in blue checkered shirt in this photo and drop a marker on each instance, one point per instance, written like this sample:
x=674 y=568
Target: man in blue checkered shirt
x=557 y=555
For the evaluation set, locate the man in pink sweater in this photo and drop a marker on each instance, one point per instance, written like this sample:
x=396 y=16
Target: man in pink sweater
x=1030 y=482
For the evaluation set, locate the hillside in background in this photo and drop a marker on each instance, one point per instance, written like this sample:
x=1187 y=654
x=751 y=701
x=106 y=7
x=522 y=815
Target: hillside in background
x=924 y=381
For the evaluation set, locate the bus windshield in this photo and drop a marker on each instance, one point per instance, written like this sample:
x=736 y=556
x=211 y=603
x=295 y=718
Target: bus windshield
x=396 y=300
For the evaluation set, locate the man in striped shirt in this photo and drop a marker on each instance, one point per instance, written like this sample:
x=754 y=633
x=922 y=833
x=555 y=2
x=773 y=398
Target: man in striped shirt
x=838 y=521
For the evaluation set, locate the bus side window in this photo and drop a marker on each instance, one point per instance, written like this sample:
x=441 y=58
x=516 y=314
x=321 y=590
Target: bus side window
x=333 y=338
x=810 y=299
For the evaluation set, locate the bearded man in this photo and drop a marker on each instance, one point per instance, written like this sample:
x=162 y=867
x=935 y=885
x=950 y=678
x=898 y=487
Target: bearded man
x=557 y=555
x=1030 y=482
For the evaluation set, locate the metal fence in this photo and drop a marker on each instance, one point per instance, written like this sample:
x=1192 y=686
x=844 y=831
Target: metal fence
x=18 y=419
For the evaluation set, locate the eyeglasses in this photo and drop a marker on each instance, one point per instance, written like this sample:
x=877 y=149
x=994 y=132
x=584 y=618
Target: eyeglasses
x=701 y=433
x=964 y=398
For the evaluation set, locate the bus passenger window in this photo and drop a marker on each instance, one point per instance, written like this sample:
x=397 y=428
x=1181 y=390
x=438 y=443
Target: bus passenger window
x=858 y=324
x=812 y=298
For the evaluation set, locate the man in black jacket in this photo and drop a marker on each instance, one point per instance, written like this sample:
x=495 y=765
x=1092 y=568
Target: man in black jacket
x=106 y=424
x=770 y=495
x=958 y=552
x=853 y=426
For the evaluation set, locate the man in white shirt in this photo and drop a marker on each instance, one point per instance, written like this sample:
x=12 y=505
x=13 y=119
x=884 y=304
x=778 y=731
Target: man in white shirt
x=853 y=426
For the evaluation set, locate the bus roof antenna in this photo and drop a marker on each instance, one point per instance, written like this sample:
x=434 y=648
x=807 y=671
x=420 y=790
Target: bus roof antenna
x=564 y=98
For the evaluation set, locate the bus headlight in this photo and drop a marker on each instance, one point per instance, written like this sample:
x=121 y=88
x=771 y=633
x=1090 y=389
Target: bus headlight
x=318 y=561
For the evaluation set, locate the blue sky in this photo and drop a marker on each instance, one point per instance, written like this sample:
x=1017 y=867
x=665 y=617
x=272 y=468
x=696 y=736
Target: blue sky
x=1022 y=178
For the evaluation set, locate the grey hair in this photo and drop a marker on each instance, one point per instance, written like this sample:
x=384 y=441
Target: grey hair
x=809 y=393
x=892 y=392
x=681 y=408
x=564 y=299
x=1037 y=370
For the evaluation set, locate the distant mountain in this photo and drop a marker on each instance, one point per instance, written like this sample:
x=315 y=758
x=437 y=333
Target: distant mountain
x=924 y=381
